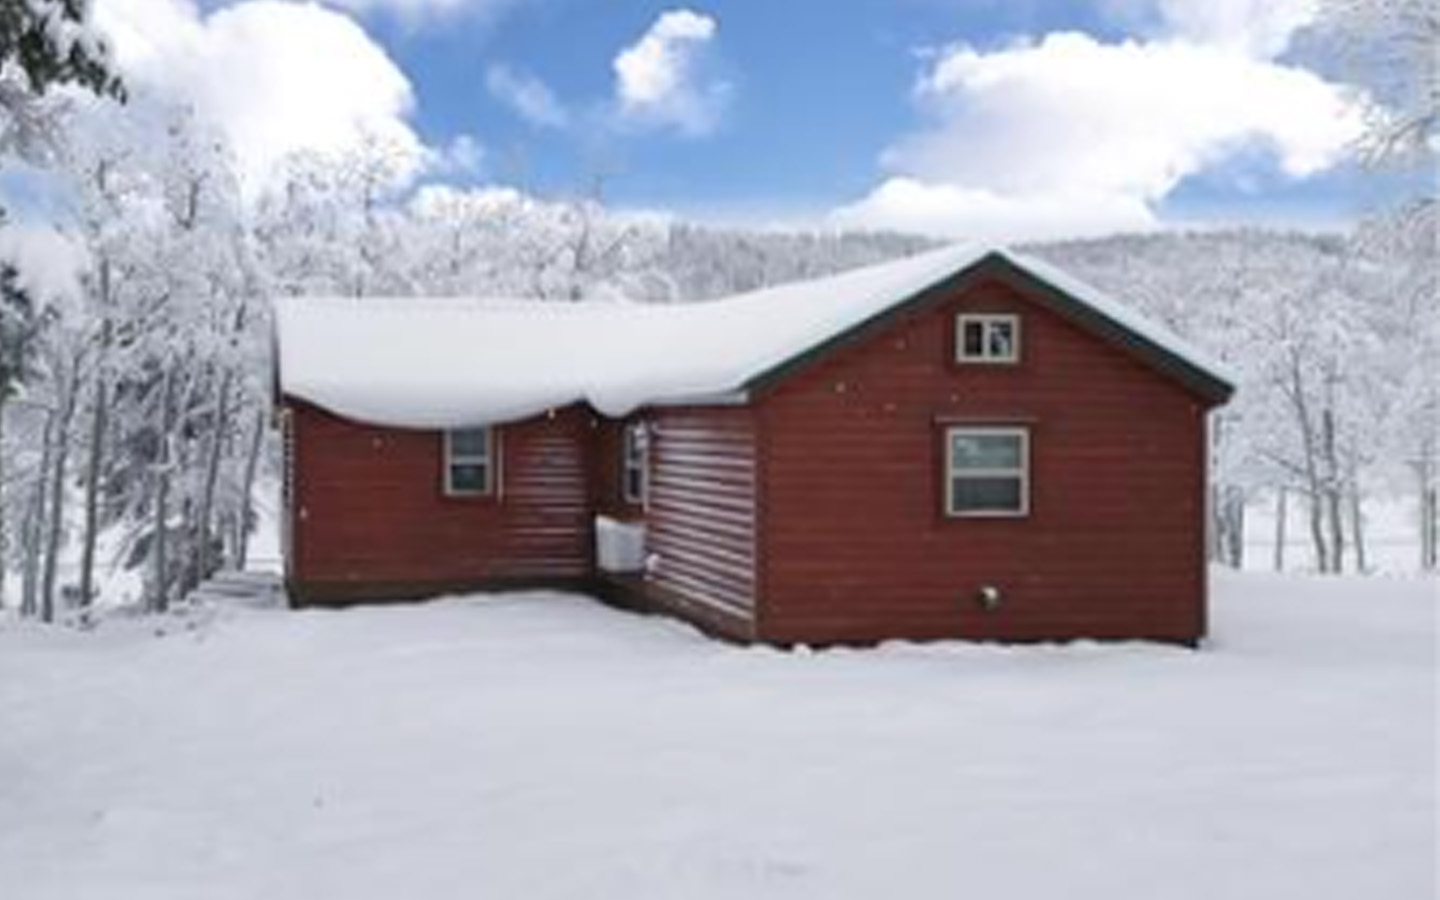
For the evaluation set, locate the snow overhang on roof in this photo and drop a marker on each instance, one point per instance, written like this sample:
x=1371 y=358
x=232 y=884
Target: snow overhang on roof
x=446 y=363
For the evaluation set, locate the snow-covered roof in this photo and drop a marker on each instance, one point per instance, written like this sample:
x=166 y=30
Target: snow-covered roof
x=455 y=362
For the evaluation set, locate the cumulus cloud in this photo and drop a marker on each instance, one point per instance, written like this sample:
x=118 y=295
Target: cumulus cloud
x=273 y=77
x=1258 y=28
x=416 y=11
x=528 y=96
x=661 y=79
x=1072 y=135
x=901 y=203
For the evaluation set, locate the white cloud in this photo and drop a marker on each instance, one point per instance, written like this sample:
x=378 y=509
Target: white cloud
x=274 y=77
x=527 y=95
x=908 y=204
x=659 y=80
x=414 y=11
x=1073 y=135
x=1257 y=28
x=463 y=155
x=1130 y=117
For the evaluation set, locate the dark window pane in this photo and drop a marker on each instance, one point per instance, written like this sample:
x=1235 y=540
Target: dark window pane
x=974 y=338
x=634 y=482
x=985 y=495
x=470 y=442
x=469 y=478
x=985 y=451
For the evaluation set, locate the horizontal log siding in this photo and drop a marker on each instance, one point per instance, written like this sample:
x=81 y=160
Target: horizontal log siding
x=856 y=544
x=700 y=516
x=370 y=513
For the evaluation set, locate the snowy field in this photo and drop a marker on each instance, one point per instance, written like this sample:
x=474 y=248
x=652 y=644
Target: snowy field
x=542 y=746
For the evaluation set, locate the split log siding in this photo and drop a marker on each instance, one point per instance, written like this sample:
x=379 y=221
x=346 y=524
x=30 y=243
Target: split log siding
x=701 y=510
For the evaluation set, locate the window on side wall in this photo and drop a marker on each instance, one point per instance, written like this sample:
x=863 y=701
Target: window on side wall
x=469 y=462
x=992 y=338
x=632 y=464
x=987 y=472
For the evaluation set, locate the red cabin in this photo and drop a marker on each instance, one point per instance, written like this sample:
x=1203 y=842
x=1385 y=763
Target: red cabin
x=959 y=444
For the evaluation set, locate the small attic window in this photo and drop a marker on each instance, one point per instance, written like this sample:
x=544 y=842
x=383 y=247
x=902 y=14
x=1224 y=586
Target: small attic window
x=992 y=338
x=469 y=462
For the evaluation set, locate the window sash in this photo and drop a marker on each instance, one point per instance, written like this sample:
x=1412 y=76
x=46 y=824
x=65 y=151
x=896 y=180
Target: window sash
x=978 y=338
x=961 y=479
x=468 y=453
x=632 y=466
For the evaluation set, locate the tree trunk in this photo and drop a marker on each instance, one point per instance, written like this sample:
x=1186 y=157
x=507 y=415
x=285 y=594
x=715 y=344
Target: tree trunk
x=1214 y=535
x=4 y=525
x=184 y=549
x=1314 y=487
x=59 y=463
x=1429 y=529
x=159 y=549
x=1317 y=532
x=1334 y=506
x=247 y=490
x=1357 y=528
x=1235 y=526
x=203 y=562
x=30 y=571
x=1281 y=506
x=1429 y=526
x=1433 y=517
x=99 y=429
x=94 y=466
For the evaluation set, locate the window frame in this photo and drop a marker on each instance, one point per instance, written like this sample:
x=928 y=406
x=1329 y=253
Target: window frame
x=452 y=459
x=1022 y=472
x=985 y=320
x=634 y=456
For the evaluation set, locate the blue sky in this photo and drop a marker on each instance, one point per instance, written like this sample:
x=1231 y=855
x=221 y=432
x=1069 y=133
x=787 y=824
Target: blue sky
x=819 y=87
x=1007 y=119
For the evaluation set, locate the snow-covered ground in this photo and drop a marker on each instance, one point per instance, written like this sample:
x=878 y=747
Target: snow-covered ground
x=542 y=746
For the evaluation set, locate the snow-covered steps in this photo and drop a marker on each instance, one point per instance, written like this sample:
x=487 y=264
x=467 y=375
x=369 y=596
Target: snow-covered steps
x=241 y=588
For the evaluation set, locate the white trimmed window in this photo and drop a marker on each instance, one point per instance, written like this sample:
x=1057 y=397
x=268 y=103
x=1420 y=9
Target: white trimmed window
x=632 y=464
x=987 y=471
x=987 y=338
x=469 y=462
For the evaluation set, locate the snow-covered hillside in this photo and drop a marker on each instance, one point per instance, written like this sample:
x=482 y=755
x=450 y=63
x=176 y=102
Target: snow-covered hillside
x=543 y=746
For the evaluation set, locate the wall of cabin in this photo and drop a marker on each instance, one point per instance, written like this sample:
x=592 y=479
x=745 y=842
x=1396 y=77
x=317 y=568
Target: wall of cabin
x=856 y=543
x=369 y=518
x=701 y=513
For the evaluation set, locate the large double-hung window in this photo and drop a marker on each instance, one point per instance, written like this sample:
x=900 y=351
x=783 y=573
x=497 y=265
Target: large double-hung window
x=987 y=471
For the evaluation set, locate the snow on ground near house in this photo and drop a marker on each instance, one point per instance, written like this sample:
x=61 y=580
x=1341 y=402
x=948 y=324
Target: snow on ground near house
x=543 y=746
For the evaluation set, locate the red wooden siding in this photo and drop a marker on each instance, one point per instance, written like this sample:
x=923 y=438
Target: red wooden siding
x=700 y=521
x=857 y=547
x=370 y=518
x=815 y=513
